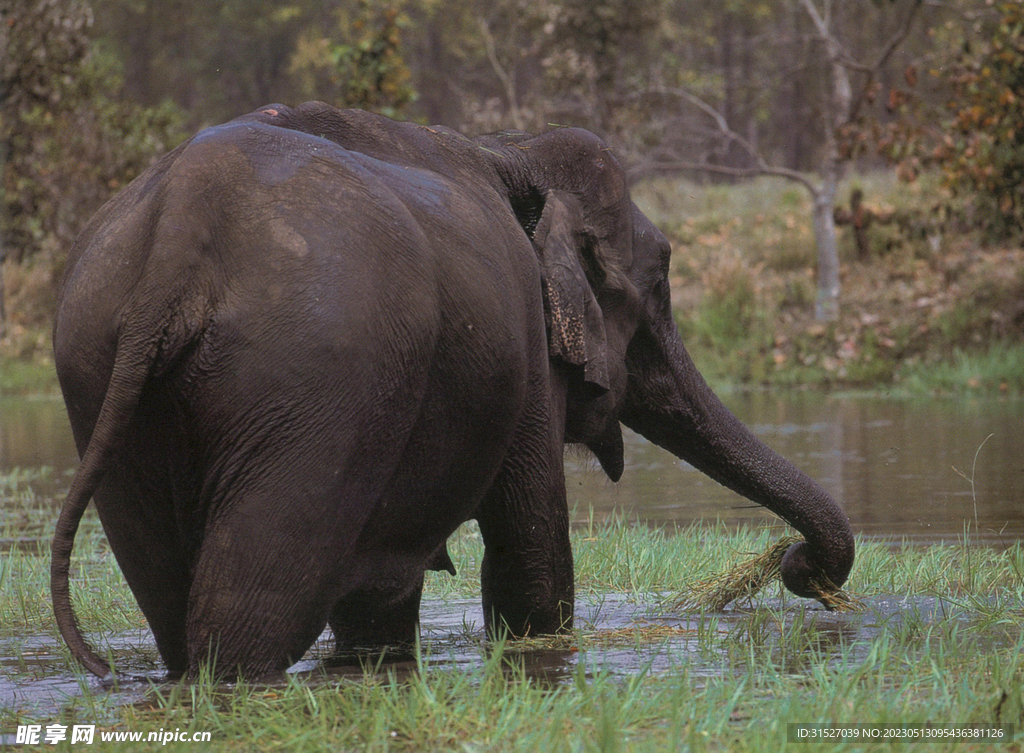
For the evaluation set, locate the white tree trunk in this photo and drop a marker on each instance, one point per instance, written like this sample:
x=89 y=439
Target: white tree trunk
x=836 y=113
x=3 y=307
x=826 y=306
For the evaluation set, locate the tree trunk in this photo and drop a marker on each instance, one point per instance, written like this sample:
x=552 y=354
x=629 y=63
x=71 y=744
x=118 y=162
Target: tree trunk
x=838 y=103
x=826 y=307
x=3 y=310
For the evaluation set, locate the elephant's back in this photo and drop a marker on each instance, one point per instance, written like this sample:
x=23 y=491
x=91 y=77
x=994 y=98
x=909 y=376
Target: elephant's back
x=316 y=299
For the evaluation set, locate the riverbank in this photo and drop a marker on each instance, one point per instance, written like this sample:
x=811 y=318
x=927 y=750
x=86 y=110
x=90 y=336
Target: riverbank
x=930 y=308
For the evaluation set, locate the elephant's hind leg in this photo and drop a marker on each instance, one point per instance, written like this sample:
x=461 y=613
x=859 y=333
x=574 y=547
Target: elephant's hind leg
x=138 y=519
x=259 y=598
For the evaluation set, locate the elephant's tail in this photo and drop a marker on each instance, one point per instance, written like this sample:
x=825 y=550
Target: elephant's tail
x=132 y=366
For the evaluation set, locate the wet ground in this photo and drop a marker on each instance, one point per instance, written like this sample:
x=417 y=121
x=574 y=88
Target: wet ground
x=617 y=637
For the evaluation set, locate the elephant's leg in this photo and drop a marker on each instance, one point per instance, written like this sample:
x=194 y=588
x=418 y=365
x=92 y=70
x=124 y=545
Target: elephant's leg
x=372 y=619
x=138 y=519
x=527 y=572
x=144 y=490
x=261 y=592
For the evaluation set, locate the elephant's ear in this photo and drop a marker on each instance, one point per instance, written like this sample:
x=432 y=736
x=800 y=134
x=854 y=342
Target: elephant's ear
x=576 y=333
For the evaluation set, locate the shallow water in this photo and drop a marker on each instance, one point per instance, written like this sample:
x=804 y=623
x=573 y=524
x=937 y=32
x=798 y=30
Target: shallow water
x=894 y=464
x=621 y=638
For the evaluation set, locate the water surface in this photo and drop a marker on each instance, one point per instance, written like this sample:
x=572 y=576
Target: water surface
x=899 y=467
x=620 y=637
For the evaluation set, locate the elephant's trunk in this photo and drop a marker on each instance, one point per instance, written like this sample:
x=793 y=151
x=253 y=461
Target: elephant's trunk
x=669 y=402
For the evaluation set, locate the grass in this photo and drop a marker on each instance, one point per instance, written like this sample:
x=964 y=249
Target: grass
x=27 y=377
x=734 y=681
x=746 y=579
x=998 y=370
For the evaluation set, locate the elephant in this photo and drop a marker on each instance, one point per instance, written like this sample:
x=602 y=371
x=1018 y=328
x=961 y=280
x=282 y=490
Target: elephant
x=305 y=346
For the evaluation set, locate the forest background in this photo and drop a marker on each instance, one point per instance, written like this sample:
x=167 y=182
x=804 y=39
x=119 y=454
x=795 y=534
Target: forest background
x=841 y=179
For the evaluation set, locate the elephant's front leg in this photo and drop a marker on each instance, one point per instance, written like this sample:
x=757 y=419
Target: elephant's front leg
x=527 y=573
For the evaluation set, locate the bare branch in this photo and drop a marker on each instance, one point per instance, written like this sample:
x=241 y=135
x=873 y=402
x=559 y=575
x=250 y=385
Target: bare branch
x=820 y=23
x=737 y=172
x=715 y=115
x=897 y=39
x=838 y=58
x=844 y=57
x=761 y=165
x=501 y=73
x=883 y=57
x=836 y=52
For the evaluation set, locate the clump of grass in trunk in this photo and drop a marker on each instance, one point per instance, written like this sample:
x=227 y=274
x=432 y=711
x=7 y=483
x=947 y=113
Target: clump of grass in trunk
x=747 y=578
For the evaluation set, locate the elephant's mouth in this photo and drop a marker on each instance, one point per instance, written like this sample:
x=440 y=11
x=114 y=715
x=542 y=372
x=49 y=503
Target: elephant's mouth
x=595 y=425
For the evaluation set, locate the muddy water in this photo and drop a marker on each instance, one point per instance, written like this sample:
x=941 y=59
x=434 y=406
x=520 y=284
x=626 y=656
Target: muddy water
x=897 y=466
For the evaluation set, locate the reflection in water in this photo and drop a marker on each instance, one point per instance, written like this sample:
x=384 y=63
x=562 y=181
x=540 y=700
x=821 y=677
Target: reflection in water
x=895 y=465
x=35 y=432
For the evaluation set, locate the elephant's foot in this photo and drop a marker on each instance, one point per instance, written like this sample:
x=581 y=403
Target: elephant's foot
x=526 y=578
x=522 y=614
x=253 y=650
x=253 y=609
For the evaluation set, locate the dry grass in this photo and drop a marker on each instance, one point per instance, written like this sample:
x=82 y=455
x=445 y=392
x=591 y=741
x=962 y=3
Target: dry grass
x=747 y=578
x=621 y=637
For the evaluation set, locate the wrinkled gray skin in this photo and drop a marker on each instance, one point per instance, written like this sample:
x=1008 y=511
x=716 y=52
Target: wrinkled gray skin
x=299 y=351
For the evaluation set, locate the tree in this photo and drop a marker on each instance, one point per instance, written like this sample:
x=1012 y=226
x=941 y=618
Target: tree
x=68 y=139
x=984 y=151
x=597 y=49
x=963 y=117
x=731 y=87
x=359 y=63
x=839 y=106
x=43 y=43
x=981 y=150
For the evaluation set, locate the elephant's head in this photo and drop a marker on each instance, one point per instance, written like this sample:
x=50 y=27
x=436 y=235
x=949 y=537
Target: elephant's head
x=607 y=302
